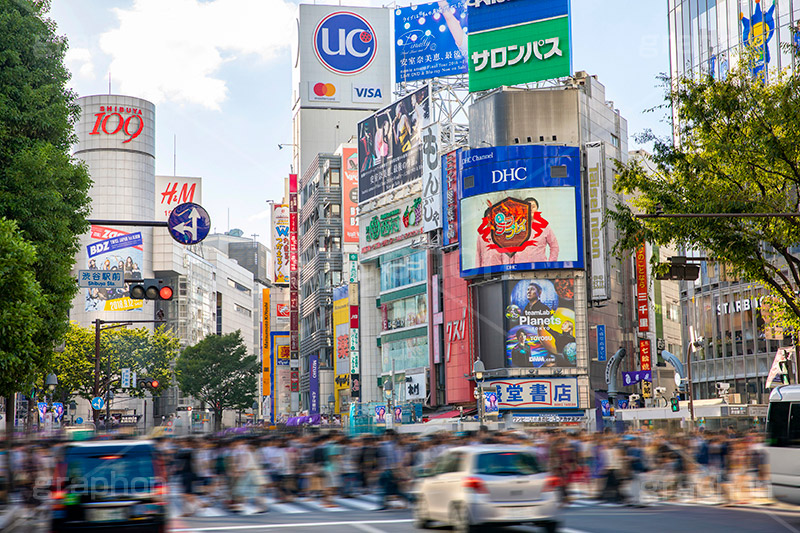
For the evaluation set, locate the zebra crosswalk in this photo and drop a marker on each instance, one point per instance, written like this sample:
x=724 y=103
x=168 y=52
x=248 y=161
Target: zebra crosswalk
x=206 y=507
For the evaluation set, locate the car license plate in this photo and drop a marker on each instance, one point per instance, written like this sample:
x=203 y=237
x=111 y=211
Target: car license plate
x=519 y=512
x=106 y=515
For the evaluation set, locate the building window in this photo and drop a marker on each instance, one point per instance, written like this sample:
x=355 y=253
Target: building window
x=407 y=353
x=239 y=286
x=242 y=310
x=620 y=315
x=614 y=141
x=405 y=313
x=406 y=270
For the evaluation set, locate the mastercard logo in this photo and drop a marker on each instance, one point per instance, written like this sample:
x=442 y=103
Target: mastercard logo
x=324 y=89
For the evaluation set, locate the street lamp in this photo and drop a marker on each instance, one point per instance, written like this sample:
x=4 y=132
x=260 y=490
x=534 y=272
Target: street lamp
x=51 y=381
x=331 y=404
x=478 y=369
x=73 y=409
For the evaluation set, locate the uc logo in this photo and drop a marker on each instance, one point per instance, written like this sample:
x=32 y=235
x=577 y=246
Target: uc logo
x=345 y=43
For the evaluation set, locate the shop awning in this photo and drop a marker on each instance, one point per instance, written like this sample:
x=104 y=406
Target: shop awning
x=446 y=414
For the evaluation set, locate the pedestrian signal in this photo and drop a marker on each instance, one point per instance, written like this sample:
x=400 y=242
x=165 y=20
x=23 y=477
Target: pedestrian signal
x=674 y=405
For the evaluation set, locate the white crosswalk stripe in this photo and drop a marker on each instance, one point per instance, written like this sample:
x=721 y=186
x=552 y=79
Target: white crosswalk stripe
x=210 y=508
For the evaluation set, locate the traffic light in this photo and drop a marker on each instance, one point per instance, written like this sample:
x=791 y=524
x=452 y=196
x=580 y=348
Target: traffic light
x=148 y=383
x=151 y=289
x=679 y=272
x=674 y=405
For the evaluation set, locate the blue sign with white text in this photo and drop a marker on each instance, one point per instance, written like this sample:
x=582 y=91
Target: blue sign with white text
x=520 y=209
x=601 y=343
x=115 y=243
x=487 y=15
x=345 y=43
x=430 y=41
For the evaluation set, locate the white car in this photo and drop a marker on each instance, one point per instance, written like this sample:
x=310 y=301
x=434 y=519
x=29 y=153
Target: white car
x=474 y=486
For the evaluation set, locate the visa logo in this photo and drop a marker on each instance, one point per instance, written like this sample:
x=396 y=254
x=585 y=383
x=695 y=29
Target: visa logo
x=366 y=94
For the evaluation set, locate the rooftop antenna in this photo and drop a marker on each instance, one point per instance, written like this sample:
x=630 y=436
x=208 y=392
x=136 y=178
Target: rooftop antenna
x=109 y=82
x=174 y=154
x=254 y=237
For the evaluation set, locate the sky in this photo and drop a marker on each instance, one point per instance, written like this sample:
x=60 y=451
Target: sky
x=219 y=73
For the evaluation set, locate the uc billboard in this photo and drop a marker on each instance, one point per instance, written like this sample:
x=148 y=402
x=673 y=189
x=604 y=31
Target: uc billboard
x=520 y=209
x=518 y=41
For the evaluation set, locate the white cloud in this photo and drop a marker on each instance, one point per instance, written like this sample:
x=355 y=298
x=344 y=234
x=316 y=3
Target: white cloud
x=79 y=60
x=263 y=215
x=174 y=50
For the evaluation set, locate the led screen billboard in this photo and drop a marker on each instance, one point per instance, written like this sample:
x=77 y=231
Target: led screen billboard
x=520 y=209
x=390 y=147
x=540 y=323
x=518 y=41
x=430 y=40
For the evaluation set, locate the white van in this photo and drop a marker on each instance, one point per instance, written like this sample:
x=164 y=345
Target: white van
x=783 y=443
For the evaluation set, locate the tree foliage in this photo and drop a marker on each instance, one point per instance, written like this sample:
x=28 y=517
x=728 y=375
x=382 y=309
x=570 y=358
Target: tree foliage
x=148 y=354
x=21 y=304
x=42 y=187
x=738 y=152
x=218 y=371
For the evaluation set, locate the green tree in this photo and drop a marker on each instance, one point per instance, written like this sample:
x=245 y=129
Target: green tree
x=148 y=354
x=42 y=187
x=738 y=152
x=218 y=371
x=21 y=305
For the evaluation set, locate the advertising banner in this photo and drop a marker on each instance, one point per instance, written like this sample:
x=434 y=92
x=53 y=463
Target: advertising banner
x=391 y=225
x=350 y=195
x=490 y=406
x=518 y=42
x=114 y=250
x=459 y=351
x=450 y=197
x=430 y=40
x=390 y=145
x=294 y=284
x=313 y=384
x=266 y=352
x=540 y=323
x=341 y=329
x=431 y=179
x=173 y=191
x=280 y=243
x=598 y=251
x=536 y=393
x=644 y=354
x=642 y=305
x=343 y=57
x=632 y=378
x=520 y=209
x=380 y=414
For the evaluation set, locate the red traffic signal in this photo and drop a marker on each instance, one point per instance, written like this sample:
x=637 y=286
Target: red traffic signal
x=151 y=289
x=148 y=383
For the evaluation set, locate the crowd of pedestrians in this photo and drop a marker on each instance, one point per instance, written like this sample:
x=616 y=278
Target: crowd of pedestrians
x=247 y=472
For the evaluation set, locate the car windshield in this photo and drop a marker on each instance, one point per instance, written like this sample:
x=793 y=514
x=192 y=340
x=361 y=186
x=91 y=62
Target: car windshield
x=110 y=472
x=507 y=464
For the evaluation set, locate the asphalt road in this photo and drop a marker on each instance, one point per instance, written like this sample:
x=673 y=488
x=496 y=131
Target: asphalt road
x=586 y=518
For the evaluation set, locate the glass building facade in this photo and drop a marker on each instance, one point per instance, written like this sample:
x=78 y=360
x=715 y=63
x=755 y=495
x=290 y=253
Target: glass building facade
x=707 y=36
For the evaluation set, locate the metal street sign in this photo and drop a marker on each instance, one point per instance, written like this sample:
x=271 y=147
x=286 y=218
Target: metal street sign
x=97 y=403
x=189 y=223
x=101 y=279
x=126 y=378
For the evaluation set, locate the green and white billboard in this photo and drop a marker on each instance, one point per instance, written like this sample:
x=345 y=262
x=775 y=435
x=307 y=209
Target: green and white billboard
x=522 y=53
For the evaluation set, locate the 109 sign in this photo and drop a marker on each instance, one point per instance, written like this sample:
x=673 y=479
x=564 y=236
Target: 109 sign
x=110 y=121
x=345 y=43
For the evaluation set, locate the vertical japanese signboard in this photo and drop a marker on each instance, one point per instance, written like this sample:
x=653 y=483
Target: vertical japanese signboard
x=431 y=179
x=294 y=276
x=280 y=243
x=350 y=195
x=642 y=306
x=313 y=384
x=597 y=233
x=450 y=194
x=646 y=365
x=601 y=343
x=266 y=359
